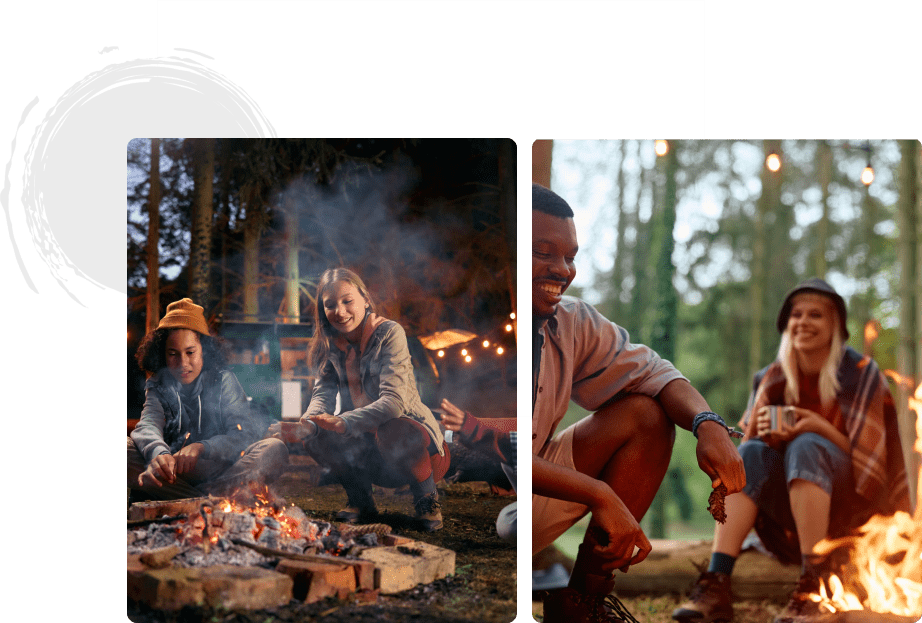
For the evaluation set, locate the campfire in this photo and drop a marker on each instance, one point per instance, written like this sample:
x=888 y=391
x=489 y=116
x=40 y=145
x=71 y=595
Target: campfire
x=237 y=532
x=880 y=567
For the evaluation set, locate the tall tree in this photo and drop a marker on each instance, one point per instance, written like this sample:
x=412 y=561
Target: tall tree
x=203 y=159
x=665 y=308
x=506 y=162
x=824 y=172
x=767 y=203
x=617 y=271
x=153 y=239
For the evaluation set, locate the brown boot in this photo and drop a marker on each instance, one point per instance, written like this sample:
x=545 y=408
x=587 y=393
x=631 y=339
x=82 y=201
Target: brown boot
x=800 y=607
x=428 y=512
x=567 y=605
x=710 y=600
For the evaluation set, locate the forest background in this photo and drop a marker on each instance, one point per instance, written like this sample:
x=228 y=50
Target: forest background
x=691 y=246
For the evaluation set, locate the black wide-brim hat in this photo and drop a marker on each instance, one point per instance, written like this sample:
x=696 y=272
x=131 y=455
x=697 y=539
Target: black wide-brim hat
x=816 y=286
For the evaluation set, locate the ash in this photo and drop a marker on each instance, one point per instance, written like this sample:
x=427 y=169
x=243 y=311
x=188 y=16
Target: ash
x=206 y=540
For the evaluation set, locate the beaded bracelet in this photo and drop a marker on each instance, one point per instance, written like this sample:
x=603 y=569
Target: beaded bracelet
x=710 y=416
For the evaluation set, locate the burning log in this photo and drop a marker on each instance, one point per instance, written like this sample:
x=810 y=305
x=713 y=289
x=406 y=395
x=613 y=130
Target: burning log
x=138 y=523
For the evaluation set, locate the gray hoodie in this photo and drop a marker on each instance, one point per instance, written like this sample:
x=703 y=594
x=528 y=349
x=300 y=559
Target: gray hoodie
x=214 y=409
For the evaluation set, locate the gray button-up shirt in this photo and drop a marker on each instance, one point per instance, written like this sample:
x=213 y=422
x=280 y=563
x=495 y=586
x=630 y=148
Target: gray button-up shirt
x=589 y=359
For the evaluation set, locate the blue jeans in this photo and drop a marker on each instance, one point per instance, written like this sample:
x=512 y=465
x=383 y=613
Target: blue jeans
x=809 y=457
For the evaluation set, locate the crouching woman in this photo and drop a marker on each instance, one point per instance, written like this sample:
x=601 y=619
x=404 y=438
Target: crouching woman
x=197 y=435
x=383 y=434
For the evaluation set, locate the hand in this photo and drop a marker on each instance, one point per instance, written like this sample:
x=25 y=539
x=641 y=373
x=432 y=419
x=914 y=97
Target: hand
x=624 y=535
x=774 y=438
x=808 y=422
x=452 y=416
x=326 y=422
x=187 y=457
x=162 y=468
x=719 y=458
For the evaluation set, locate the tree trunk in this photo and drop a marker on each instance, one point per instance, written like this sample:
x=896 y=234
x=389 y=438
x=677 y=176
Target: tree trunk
x=541 y=162
x=824 y=169
x=153 y=238
x=665 y=301
x=252 y=230
x=768 y=201
x=203 y=150
x=910 y=254
x=292 y=305
x=507 y=202
x=617 y=271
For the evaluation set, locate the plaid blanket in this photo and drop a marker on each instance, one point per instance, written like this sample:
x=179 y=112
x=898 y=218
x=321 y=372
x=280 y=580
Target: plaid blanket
x=869 y=415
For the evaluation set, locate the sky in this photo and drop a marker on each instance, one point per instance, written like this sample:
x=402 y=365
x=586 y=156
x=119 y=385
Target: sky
x=584 y=172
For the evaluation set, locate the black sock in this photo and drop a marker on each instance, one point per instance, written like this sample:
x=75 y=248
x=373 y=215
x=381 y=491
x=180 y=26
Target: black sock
x=721 y=563
x=424 y=488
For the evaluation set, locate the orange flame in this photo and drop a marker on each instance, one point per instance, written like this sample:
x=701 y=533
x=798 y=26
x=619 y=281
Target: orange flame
x=884 y=573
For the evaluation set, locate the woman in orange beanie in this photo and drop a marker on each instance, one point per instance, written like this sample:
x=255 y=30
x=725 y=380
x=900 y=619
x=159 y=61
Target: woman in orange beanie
x=383 y=433
x=197 y=434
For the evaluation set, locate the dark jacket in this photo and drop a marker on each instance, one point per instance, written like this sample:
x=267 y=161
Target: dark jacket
x=386 y=371
x=212 y=416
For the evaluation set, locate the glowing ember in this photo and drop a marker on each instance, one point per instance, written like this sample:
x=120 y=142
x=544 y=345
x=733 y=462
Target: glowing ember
x=884 y=569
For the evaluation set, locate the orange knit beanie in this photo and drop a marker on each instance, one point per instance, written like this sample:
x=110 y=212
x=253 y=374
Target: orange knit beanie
x=185 y=314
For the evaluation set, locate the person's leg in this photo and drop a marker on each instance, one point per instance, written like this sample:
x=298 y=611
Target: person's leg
x=627 y=444
x=261 y=463
x=404 y=446
x=506 y=523
x=711 y=597
x=813 y=465
x=352 y=461
x=181 y=488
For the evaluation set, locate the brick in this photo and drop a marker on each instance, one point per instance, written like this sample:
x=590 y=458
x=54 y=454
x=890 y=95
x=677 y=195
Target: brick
x=226 y=586
x=314 y=581
x=162 y=508
x=402 y=567
x=161 y=557
x=393 y=539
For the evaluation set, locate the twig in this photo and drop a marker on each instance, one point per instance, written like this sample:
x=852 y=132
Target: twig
x=134 y=523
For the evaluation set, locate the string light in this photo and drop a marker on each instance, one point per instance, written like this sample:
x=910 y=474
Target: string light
x=661 y=147
x=464 y=352
x=441 y=353
x=486 y=343
x=500 y=350
x=512 y=315
x=773 y=162
x=867 y=176
x=467 y=359
x=508 y=328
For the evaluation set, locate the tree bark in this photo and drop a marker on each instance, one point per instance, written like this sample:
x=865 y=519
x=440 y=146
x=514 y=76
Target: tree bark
x=768 y=201
x=824 y=169
x=292 y=305
x=507 y=201
x=203 y=150
x=252 y=231
x=541 y=162
x=665 y=300
x=153 y=238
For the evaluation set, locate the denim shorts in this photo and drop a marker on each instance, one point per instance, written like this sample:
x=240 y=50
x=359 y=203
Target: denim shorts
x=809 y=457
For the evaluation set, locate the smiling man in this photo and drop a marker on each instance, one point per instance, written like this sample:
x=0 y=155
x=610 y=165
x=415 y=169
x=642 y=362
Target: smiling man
x=610 y=463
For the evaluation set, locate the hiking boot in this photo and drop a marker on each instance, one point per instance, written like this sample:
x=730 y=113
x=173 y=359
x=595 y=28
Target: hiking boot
x=800 y=607
x=357 y=514
x=710 y=600
x=428 y=512
x=568 y=605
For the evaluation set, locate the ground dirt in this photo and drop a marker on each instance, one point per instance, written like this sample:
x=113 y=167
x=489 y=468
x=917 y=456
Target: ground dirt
x=482 y=590
x=658 y=609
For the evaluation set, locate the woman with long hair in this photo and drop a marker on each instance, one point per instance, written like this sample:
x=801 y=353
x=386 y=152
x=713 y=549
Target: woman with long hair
x=383 y=433
x=833 y=462
x=196 y=434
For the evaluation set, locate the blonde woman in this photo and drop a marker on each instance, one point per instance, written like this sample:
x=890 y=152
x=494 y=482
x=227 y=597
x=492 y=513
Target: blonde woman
x=836 y=463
